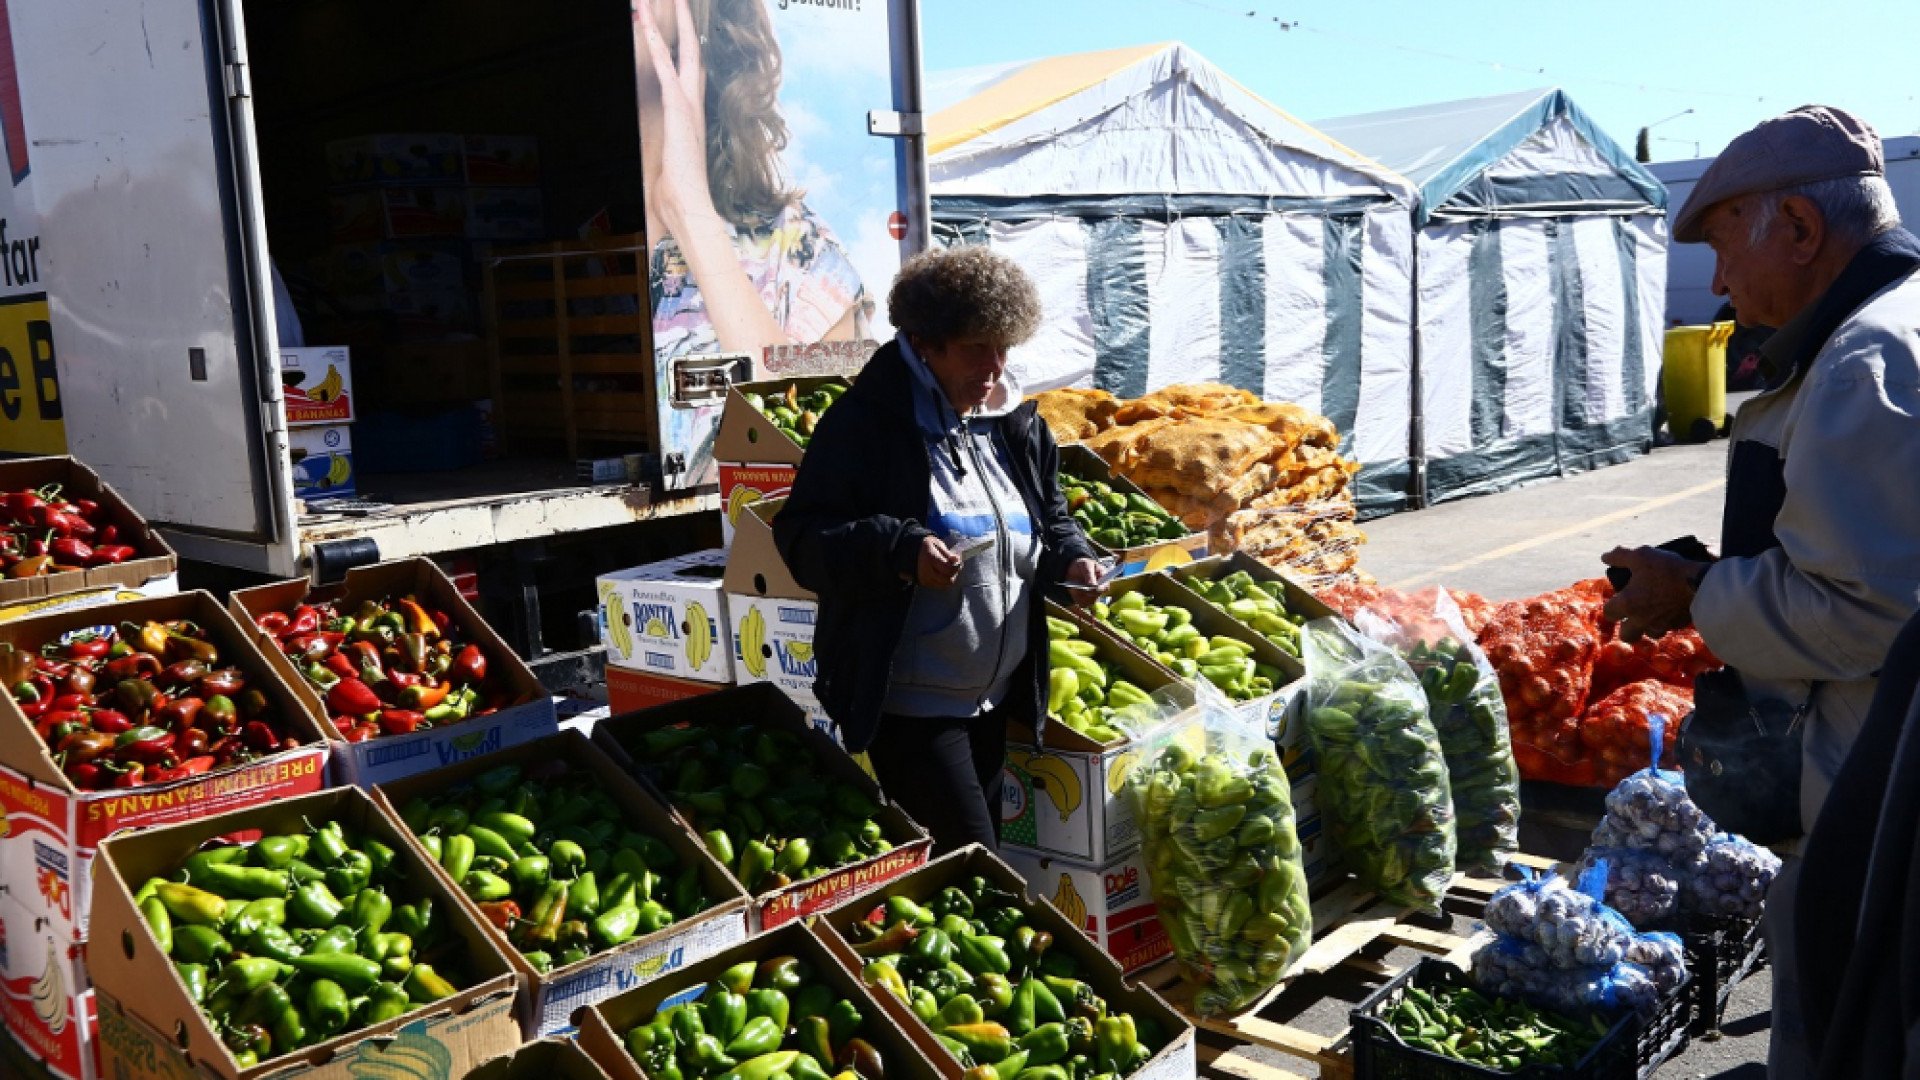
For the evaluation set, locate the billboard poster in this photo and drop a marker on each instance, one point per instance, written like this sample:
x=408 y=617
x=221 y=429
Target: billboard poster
x=769 y=207
x=30 y=417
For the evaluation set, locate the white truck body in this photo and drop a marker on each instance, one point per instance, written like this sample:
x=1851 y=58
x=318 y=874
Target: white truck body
x=133 y=239
x=1690 y=299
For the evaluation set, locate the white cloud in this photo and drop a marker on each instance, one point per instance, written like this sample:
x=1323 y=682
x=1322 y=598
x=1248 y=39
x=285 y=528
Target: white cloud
x=833 y=41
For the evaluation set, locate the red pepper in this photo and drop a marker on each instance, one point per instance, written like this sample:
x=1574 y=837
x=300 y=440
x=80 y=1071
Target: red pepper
x=134 y=776
x=86 y=508
x=191 y=742
x=223 y=682
x=34 y=696
x=353 y=697
x=70 y=701
x=85 y=775
x=305 y=620
x=136 y=665
x=469 y=665
x=193 y=766
x=147 y=743
x=85 y=745
x=441 y=619
x=362 y=732
x=309 y=646
x=366 y=655
x=108 y=534
x=341 y=666
x=88 y=647
x=21 y=506
x=107 y=554
x=400 y=721
x=404 y=679
x=501 y=913
x=422 y=696
x=259 y=737
x=71 y=551
x=111 y=721
x=179 y=713
x=274 y=623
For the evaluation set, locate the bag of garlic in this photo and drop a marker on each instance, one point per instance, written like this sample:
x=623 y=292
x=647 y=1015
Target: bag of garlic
x=1730 y=879
x=1651 y=811
x=1642 y=886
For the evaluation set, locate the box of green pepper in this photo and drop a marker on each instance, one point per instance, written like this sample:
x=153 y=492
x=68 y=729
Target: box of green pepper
x=778 y=1005
x=589 y=885
x=1122 y=519
x=307 y=933
x=1001 y=985
x=776 y=801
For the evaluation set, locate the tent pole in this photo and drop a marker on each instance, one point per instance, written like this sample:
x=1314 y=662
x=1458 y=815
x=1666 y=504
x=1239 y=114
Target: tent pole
x=1416 y=427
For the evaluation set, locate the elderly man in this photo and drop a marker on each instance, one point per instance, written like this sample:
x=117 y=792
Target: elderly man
x=1820 y=536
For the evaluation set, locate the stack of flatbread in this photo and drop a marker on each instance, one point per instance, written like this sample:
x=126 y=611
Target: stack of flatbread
x=1261 y=477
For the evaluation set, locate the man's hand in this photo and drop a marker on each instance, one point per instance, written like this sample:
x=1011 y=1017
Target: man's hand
x=1658 y=598
x=1083 y=577
x=939 y=566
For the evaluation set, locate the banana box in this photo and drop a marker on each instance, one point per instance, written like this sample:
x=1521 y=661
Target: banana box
x=1111 y=904
x=1174 y=1060
x=1069 y=802
x=45 y=1001
x=669 y=618
x=322 y=462
x=762 y=437
x=743 y=485
x=317 y=385
x=542 y=1059
x=630 y=691
x=773 y=617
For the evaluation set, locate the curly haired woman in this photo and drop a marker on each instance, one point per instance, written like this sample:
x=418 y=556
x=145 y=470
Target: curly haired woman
x=928 y=517
x=738 y=261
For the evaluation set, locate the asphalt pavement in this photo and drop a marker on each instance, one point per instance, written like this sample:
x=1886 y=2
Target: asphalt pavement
x=1548 y=535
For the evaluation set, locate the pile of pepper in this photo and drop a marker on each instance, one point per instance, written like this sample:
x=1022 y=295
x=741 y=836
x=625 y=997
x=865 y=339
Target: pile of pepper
x=1006 y=1005
x=1166 y=633
x=46 y=534
x=294 y=939
x=388 y=667
x=543 y=852
x=141 y=704
x=1117 y=520
x=1466 y=1025
x=770 y=836
x=759 y=1021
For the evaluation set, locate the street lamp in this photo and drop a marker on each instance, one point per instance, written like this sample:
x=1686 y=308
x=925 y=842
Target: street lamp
x=1644 y=153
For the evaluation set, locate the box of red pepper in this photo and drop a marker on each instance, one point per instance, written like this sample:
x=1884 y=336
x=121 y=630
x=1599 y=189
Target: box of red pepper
x=63 y=530
x=406 y=676
x=132 y=714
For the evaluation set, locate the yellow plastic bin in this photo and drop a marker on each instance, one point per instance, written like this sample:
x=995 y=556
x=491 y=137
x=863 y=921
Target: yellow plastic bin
x=1694 y=377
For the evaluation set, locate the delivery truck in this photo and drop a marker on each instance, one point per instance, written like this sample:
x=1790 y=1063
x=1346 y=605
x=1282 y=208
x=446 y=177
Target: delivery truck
x=482 y=206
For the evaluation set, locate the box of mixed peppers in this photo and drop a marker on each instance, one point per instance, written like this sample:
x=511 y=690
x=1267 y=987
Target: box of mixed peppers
x=405 y=674
x=132 y=714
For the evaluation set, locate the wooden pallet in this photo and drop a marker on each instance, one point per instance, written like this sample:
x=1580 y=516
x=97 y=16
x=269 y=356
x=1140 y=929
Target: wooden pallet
x=1347 y=919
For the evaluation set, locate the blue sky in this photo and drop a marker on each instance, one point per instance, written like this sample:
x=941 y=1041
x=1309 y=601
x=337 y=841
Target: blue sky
x=1626 y=64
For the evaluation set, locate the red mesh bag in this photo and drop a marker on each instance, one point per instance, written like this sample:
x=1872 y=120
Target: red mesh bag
x=1614 y=730
x=1543 y=649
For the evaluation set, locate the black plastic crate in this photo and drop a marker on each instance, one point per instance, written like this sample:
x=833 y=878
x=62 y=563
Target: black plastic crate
x=1379 y=1053
x=1720 y=952
x=1661 y=1037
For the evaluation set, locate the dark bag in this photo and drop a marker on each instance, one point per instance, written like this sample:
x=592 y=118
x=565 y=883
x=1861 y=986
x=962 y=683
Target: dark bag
x=1742 y=759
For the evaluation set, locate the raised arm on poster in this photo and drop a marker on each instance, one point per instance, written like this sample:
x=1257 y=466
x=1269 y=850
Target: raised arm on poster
x=738 y=262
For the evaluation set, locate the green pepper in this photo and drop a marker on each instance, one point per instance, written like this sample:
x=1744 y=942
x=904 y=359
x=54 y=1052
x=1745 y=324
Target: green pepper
x=457 y=853
x=1009 y=1067
x=416 y=920
x=1117 y=1046
x=759 y=1036
x=764 y=1067
x=943 y=983
x=356 y=973
x=1075 y=997
x=981 y=953
x=530 y=873
x=338 y=938
x=783 y=973
x=723 y=1014
x=1046 y=1044
x=379 y=854
x=687 y=894
x=371 y=911
x=932 y=948
x=813 y=1037
x=350 y=874
x=813 y=998
x=160 y=922
x=327 y=843
x=435 y=845
x=883 y=976
x=903 y=909
x=962 y=1009
x=923 y=1004
x=583 y=896
x=200 y=944
x=276 y=852
x=756 y=861
x=988 y=1042
x=616 y=926
x=1048 y=1072
x=188 y=904
x=425 y=986
x=951 y=901
x=738 y=978
x=708 y=1055
x=539 y=960
x=194 y=978
x=488 y=842
x=387 y=1001
x=843 y=1020
x=994 y=992
x=314 y=905
x=654 y=917
x=327 y=1007
x=515 y=829
x=274 y=941
x=485 y=886
x=769 y=1003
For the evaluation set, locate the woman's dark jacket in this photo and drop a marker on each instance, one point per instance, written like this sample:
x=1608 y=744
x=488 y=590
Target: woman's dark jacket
x=851 y=532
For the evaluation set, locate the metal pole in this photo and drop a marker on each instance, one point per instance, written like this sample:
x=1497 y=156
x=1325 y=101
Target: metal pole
x=919 y=194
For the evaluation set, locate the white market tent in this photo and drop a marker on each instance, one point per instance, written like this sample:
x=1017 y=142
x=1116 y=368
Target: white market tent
x=1182 y=229
x=1541 y=277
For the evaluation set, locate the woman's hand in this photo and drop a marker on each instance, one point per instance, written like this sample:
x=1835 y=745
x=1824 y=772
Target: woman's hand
x=679 y=189
x=1083 y=581
x=939 y=566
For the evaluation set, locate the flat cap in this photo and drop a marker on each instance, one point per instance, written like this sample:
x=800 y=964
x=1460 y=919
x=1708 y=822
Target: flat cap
x=1813 y=142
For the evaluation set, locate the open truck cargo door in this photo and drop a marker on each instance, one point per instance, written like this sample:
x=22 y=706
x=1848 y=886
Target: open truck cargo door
x=139 y=130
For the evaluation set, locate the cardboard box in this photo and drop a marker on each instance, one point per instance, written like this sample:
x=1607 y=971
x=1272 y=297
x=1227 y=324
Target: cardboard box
x=150 y=1027
x=765 y=705
x=1060 y=792
x=1165 y=590
x=392 y=757
x=743 y=485
x=1111 y=904
x=154 y=559
x=501 y=159
x=45 y=1001
x=160 y=586
x=772 y=617
x=669 y=617
x=1144 y=558
x=542 y=1059
x=53 y=829
x=397 y=158
x=631 y=691
x=318 y=385
x=553 y=998
x=506 y=213
x=603 y=1030
x=756 y=459
x=322 y=463
x=1174 y=1060
x=396 y=213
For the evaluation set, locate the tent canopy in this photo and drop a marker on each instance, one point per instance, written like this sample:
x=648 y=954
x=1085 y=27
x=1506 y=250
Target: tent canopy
x=1155 y=121
x=1531 y=151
